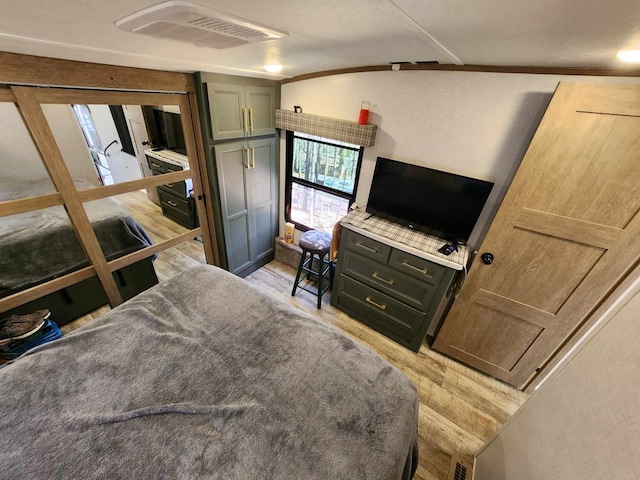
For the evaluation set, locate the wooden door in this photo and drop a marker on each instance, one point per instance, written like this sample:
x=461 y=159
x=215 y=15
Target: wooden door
x=566 y=234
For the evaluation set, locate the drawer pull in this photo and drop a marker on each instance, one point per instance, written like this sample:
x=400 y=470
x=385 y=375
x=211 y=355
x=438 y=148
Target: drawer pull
x=375 y=304
x=421 y=270
x=378 y=277
x=172 y=203
x=170 y=185
x=156 y=165
x=367 y=247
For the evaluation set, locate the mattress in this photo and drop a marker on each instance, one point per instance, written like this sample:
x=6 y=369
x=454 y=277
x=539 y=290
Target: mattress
x=41 y=245
x=204 y=376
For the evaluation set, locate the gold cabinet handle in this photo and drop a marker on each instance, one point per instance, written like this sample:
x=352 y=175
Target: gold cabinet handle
x=418 y=269
x=172 y=203
x=250 y=119
x=156 y=165
x=170 y=185
x=378 y=277
x=247 y=157
x=367 y=247
x=245 y=121
x=375 y=304
x=253 y=157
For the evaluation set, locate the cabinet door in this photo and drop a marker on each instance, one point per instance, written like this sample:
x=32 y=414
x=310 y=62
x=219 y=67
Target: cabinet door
x=261 y=105
x=263 y=178
x=566 y=234
x=227 y=110
x=231 y=165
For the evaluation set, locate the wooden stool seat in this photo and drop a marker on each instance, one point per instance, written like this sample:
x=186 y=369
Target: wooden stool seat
x=314 y=243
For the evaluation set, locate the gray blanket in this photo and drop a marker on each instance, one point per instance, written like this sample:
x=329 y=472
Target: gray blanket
x=41 y=245
x=205 y=377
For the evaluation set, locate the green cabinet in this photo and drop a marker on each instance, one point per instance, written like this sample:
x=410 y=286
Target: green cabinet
x=238 y=111
x=247 y=174
x=394 y=292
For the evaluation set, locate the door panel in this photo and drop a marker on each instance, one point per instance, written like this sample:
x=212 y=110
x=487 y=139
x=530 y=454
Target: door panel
x=263 y=182
x=566 y=234
x=261 y=102
x=227 y=112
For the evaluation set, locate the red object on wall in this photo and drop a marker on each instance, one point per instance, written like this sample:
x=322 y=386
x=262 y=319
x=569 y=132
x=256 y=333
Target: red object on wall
x=364 y=113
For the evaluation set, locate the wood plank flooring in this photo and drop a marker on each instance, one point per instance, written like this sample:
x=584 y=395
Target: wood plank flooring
x=460 y=409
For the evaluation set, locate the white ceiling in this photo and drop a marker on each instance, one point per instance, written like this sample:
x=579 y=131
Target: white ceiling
x=330 y=34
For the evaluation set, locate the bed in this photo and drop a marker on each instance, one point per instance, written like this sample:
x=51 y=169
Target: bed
x=38 y=246
x=205 y=377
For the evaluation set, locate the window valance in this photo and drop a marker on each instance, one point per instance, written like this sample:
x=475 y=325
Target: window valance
x=333 y=128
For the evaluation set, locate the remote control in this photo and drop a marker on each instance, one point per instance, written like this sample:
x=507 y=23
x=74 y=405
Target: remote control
x=448 y=249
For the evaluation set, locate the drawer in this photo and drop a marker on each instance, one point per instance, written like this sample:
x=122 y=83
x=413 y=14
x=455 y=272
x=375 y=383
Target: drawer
x=366 y=246
x=381 y=309
x=416 y=267
x=174 y=202
x=157 y=166
x=177 y=188
x=173 y=168
x=402 y=287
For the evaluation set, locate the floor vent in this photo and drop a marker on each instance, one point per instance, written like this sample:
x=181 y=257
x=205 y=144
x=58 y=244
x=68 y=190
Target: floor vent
x=458 y=469
x=201 y=26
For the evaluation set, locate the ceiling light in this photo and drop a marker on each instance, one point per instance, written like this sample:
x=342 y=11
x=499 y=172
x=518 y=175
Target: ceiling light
x=632 y=56
x=273 y=68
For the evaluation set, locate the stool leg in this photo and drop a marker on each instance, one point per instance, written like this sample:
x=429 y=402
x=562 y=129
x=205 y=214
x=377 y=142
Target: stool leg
x=295 y=283
x=320 y=278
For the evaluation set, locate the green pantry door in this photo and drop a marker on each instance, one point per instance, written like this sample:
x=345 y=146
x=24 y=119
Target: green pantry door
x=248 y=179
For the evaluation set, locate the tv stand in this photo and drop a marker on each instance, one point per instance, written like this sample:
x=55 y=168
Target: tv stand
x=386 y=283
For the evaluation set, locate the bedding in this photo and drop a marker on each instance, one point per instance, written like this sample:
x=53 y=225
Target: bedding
x=205 y=377
x=39 y=246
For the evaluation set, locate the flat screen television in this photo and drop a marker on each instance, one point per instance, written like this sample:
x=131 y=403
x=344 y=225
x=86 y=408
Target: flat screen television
x=165 y=129
x=435 y=202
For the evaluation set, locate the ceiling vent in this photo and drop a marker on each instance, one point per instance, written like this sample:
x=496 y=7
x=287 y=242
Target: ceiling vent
x=201 y=26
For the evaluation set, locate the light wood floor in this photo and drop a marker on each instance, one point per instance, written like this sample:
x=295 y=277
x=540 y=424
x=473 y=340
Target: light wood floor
x=460 y=409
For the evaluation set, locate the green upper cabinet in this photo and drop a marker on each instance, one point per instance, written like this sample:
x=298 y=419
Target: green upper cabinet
x=239 y=111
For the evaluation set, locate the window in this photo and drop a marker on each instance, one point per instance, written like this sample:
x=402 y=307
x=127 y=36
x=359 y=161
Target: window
x=322 y=175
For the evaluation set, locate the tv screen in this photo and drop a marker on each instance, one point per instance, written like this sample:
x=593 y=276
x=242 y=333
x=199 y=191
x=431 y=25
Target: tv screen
x=165 y=129
x=435 y=202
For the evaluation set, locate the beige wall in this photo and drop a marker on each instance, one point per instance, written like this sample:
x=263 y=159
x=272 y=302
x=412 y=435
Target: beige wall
x=475 y=124
x=584 y=423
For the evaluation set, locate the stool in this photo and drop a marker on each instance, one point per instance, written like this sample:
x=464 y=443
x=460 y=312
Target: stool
x=315 y=243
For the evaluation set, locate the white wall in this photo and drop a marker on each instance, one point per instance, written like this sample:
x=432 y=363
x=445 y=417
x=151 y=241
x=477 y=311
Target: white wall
x=584 y=423
x=124 y=167
x=19 y=158
x=470 y=123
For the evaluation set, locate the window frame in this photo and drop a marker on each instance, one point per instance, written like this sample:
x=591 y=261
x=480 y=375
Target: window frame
x=290 y=179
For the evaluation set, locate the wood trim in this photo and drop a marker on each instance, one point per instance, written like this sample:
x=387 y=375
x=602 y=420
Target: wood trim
x=146 y=252
x=126 y=187
x=32 y=70
x=29 y=204
x=195 y=150
x=44 y=140
x=6 y=95
x=578 y=231
x=516 y=309
x=38 y=291
x=591 y=72
x=98 y=97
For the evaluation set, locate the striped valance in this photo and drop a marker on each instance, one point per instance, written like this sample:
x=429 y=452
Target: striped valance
x=341 y=130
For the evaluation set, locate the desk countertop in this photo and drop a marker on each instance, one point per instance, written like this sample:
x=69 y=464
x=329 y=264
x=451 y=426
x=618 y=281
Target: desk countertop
x=416 y=243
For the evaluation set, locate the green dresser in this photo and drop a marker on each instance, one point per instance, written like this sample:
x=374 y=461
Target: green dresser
x=394 y=292
x=175 y=198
